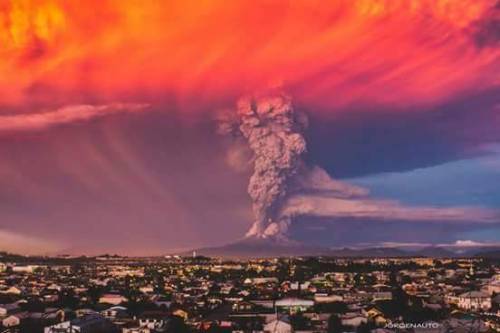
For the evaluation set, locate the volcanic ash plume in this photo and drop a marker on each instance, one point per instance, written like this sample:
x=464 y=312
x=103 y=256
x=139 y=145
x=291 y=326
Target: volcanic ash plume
x=274 y=132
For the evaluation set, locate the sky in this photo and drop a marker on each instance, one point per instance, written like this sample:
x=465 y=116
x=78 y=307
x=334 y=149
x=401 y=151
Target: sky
x=108 y=113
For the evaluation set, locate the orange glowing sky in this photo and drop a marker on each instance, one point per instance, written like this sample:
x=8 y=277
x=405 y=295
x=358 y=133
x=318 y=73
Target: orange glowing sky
x=107 y=112
x=383 y=51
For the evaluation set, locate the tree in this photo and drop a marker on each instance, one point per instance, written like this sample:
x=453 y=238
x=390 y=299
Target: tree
x=94 y=293
x=176 y=324
x=334 y=307
x=299 y=322
x=495 y=307
x=68 y=299
x=393 y=279
x=363 y=328
x=334 y=324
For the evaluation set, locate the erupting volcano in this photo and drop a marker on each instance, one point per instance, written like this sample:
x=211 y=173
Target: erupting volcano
x=273 y=130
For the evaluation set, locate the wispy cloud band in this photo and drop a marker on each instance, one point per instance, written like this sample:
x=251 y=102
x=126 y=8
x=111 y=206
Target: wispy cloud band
x=64 y=115
x=336 y=199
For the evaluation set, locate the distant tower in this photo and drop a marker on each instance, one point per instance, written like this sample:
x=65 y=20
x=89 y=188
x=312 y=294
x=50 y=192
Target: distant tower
x=194 y=254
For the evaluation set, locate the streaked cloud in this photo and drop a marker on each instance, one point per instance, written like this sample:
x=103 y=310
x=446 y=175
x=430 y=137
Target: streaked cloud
x=326 y=53
x=64 y=115
x=456 y=244
x=331 y=198
x=378 y=209
x=471 y=243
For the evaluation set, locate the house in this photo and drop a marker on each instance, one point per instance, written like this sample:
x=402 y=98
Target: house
x=226 y=290
x=465 y=325
x=84 y=312
x=336 y=276
x=474 y=301
x=134 y=328
x=93 y=323
x=53 y=315
x=451 y=299
x=50 y=298
x=353 y=319
x=243 y=306
x=6 y=309
x=114 y=299
x=24 y=269
x=293 y=305
x=146 y=289
x=153 y=319
x=278 y=326
x=493 y=286
x=260 y=280
x=181 y=313
x=12 y=291
x=152 y=324
x=299 y=286
x=115 y=312
x=15 y=319
x=209 y=326
x=376 y=316
x=380 y=320
x=381 y=296
x=55 y=287
x=325 y=298
x=161 y=301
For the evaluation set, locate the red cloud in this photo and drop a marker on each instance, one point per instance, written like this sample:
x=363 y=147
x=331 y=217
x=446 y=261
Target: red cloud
x=64 y=115
x=328 y=53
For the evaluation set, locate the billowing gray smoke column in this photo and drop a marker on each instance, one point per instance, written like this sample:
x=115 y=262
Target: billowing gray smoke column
x=283 y=187
x=274 y=133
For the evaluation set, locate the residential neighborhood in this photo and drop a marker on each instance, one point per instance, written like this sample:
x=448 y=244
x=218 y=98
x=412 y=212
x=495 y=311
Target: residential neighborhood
x=200 y=294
